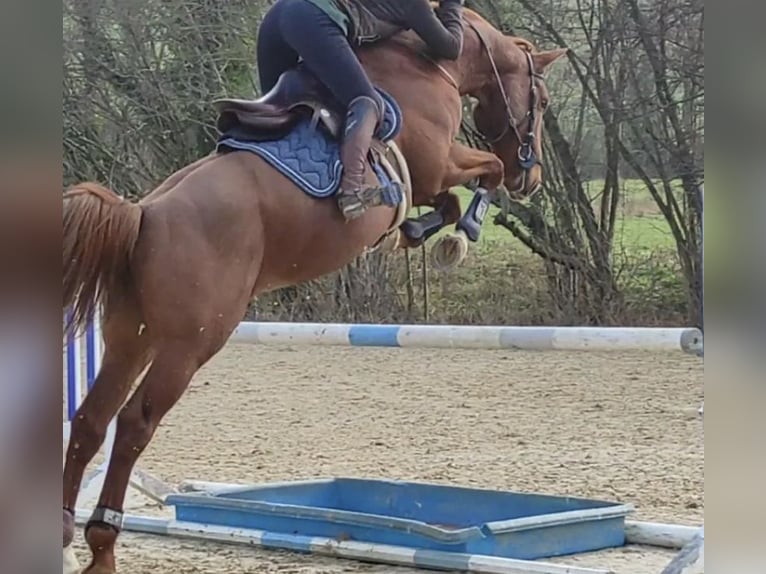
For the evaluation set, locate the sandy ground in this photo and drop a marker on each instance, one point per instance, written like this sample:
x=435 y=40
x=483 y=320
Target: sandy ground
x=621 y=427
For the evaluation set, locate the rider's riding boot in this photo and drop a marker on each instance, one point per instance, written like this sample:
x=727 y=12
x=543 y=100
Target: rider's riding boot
x=362 y=119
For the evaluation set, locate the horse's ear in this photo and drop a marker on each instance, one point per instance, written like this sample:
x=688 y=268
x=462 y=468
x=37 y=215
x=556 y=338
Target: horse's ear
x=543 y=60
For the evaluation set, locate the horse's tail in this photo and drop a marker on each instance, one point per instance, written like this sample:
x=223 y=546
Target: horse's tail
x=100 y=232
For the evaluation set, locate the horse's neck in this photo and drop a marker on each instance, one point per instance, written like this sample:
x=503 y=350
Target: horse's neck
x=430 y=106
x=415 y=82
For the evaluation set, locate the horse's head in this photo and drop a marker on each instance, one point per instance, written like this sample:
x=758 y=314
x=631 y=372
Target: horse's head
x=506 y=77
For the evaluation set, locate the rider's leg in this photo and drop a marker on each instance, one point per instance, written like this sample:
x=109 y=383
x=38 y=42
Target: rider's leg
x=355 y=196
x=327 y=53
x=273 y=53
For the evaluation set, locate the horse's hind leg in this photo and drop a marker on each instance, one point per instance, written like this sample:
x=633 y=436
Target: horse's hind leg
x=126 y=353
x=172 y=368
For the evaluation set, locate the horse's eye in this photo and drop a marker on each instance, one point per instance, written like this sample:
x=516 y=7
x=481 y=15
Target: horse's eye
x=544 y=104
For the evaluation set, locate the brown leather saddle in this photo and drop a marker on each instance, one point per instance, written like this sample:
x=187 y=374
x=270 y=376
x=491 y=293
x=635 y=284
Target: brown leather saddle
x=296 y=95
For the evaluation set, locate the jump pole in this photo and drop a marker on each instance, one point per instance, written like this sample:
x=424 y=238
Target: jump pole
x=691 y=558
x=348 y=549
x=617 y=339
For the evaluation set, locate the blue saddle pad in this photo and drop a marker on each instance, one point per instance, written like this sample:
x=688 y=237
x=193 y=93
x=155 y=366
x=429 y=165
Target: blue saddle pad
x=310 y=157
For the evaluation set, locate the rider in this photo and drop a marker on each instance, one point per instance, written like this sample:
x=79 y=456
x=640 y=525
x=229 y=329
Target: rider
x=323 y=34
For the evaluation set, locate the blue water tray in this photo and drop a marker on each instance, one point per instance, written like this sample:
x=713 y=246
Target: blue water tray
x=415 y=515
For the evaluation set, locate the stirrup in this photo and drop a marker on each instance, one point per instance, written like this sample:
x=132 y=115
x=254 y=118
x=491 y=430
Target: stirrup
x=353 y=204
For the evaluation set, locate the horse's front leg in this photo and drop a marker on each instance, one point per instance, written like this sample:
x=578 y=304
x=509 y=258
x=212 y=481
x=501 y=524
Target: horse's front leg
x=466 y=165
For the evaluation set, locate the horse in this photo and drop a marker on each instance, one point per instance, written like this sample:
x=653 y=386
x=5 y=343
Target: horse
x=173 y=273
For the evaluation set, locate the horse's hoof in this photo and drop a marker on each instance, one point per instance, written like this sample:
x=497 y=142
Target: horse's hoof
x=449 y=251
x=101 y=539
x=71 y=565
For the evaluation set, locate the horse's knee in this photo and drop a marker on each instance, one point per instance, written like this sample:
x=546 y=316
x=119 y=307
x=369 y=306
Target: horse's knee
x=495 y=173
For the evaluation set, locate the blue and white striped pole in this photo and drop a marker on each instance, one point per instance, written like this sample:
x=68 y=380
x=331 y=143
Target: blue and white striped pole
x=688 y=340
x=348 y=549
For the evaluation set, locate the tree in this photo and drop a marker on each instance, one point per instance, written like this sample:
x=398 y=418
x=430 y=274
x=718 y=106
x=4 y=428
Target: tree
x=638 y=111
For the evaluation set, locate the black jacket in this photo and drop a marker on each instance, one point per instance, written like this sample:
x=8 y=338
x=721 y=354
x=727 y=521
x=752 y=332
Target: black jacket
x=440 y=29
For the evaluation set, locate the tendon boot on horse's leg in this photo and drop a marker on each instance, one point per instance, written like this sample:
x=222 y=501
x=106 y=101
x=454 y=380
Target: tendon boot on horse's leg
x=419 y=229
x=163 y=385
x=362 y=119
x=474 y=215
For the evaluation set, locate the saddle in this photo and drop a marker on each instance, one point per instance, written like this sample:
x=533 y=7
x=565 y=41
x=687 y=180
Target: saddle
x=280 y=128
x=296 y=94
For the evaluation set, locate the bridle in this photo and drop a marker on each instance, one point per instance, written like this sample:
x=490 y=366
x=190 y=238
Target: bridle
x=527 y=157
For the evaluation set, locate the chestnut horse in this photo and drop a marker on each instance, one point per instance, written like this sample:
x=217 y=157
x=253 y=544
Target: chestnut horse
x=175 y=272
